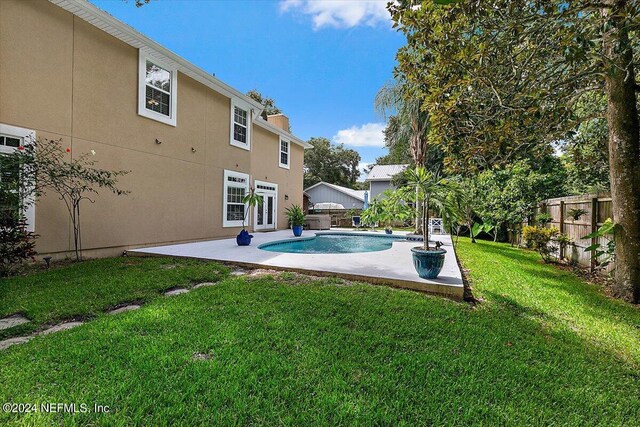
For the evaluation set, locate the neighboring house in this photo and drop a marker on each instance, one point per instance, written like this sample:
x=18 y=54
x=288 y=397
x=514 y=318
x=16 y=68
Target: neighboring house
x=380 y=177
x=193 y=144
x=323 y=192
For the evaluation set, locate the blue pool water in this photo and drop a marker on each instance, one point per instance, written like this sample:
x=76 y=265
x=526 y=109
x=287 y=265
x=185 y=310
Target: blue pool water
x=333 y=244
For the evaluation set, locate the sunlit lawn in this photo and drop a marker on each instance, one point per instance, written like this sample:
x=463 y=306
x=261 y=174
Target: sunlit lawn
x=543 y=348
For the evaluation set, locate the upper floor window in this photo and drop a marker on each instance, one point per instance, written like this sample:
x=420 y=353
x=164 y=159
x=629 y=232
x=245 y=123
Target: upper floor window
x=284 y=153
x=240 y=126
x=157 y=93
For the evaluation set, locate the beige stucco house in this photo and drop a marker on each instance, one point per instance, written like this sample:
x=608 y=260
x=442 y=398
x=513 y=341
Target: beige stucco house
x=193 y=144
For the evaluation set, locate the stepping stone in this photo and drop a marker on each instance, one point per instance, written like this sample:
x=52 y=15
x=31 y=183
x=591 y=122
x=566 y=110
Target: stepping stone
x=174 y=292
x=11 y=321
x=204 y=284
x=61 y=327
x=238 y=273
x=201 y=356
x=125 y=308
x=12 y=341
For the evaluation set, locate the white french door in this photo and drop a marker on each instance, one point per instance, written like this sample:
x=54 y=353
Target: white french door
x=265 y=213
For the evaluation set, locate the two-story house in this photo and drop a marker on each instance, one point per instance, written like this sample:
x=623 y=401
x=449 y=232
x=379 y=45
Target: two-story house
x=193 y=144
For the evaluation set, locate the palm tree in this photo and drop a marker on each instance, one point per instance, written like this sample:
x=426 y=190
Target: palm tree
x=408 y=123
x=251 y=199
x=436 y=193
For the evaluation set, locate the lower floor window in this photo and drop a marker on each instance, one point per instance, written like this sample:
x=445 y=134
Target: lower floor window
x=10 y=201
x=235 y=207
x=13 y=202
x=236 y=186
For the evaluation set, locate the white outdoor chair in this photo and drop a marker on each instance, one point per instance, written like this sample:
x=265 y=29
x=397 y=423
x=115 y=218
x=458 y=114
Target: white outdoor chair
x=435 y=224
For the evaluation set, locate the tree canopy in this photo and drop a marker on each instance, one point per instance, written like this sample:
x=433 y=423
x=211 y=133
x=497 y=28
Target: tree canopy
x=332 y=163
x=269 y=104
x=501 y=80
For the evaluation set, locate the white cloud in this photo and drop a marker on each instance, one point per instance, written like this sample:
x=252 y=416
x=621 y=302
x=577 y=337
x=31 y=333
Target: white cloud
x=341 y=13
x=367 y=135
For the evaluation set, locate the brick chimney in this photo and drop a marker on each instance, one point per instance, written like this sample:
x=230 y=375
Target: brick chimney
x=279 y=120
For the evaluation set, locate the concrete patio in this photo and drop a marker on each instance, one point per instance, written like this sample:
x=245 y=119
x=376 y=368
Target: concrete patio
x=392 y=267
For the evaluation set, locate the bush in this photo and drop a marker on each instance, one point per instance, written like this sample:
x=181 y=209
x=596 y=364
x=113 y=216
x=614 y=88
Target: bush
x=543 y=218
x=541 y=240
x=16 y=243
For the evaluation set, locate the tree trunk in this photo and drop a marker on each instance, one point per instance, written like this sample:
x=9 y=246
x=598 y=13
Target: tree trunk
x=425 y=228
x=418 y=230
x=624 y=153
x=473 y=238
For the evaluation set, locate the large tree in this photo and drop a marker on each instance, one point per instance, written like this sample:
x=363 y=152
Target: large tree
x=332 y=163
x=269 y=104
x=500 y=78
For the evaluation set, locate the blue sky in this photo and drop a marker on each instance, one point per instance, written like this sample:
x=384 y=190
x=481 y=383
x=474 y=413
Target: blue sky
x=322 y=61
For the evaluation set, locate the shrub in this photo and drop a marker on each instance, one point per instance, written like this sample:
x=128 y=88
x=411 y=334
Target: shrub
x=543 y=218
x=604 y=254
x=16 y=243
x=541 y=240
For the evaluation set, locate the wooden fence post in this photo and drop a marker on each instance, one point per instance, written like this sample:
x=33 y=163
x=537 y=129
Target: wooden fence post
x=594 y=228
x=561 y=251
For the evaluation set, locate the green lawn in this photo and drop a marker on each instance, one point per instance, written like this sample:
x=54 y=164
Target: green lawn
x=543 y=348
x=82 y=291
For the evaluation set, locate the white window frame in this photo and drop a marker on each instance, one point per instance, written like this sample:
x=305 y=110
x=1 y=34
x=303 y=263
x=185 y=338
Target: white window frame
x=284 y=165
x=28 y=136
x=142 y=90
x=243 y=106
x=232 y=174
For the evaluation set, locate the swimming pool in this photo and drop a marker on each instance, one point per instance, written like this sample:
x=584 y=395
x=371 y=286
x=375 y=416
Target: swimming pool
x=333 y=243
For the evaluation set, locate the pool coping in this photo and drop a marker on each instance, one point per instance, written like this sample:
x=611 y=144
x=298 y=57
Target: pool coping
x=391 y=267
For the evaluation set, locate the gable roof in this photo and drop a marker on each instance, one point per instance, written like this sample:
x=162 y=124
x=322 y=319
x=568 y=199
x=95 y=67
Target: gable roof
x=356 y=194
x=385 y=172
x=118 y=29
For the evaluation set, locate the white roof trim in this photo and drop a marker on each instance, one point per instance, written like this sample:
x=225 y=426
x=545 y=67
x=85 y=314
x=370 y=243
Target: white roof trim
x=118 y=29
x=286 y=135
x=343 y=190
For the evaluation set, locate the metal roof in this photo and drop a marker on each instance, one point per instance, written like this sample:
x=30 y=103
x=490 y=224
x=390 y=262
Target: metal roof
x=356 y=194
x=385 y=172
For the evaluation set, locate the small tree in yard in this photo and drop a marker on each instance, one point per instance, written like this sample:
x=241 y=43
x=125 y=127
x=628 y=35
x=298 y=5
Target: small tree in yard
x=435 y=193
x=44 y=167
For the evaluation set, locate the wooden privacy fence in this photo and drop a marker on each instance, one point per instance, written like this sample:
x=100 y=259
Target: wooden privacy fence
x=597 y=209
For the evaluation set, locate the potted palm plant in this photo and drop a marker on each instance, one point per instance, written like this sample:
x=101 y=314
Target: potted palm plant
x=438 y=194
x=251 y=199
x=296 y=219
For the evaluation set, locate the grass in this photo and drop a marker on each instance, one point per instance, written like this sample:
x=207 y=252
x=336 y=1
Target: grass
x=84 y=290
x=544 y=348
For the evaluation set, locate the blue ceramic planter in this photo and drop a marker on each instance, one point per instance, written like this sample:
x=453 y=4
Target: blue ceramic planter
x=428 y=264
x=297 y=230
x=244 y=238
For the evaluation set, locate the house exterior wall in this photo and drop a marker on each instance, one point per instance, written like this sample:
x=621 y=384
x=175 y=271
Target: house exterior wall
x=66 y=79
x=323 y=193
x=379 y=187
